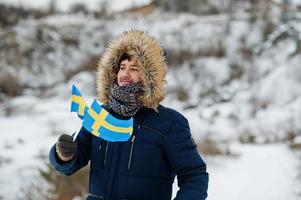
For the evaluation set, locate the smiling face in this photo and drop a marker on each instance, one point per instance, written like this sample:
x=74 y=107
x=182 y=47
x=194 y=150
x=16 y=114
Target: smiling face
x=129 y=72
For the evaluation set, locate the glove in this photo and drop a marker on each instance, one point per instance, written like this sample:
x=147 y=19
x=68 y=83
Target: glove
x=66 y=147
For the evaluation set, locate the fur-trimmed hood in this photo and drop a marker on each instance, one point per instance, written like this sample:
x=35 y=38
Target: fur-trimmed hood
x=150 y=55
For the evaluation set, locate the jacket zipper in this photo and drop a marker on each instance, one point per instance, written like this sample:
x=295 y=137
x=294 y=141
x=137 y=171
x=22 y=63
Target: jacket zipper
x=131 y=152
x=106 y=153
x=96 y=196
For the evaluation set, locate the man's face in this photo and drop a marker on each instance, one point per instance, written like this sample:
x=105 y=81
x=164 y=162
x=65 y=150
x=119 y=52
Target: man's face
x=129 y=72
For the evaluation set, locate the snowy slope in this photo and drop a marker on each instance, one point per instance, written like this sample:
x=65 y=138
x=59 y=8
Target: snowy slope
x=66 y=5
x=263 y=172
x=263 y=102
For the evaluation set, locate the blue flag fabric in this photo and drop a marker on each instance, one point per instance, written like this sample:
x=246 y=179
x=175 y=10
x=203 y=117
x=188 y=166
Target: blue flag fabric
x=78 y=104
x=99 y=121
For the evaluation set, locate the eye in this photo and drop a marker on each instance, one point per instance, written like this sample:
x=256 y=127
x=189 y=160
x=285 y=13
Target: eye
x=135 y=68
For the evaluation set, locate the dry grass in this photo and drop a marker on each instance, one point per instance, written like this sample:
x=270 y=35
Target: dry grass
x=9 y=85
x=60 y=187
x=210 y=147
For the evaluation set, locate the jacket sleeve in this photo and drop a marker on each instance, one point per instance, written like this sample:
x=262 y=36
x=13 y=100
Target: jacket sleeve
x=186 y=162
x=80 y=159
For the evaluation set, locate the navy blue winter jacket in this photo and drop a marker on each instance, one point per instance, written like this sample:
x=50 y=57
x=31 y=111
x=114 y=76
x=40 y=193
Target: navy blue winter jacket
x=144 y=167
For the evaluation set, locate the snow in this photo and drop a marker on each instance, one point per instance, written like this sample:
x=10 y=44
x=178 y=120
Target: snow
x=66 y=5
x=263 y=102
x=23 y=163
x=24 y=139
x=259 y=172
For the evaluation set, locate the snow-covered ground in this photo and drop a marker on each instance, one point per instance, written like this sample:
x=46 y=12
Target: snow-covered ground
x=26 y=136
x=66 y=5
x=260 y=172
x=263 y=102
x=263 y=172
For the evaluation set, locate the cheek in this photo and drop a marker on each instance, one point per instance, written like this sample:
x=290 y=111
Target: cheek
x=120 y=74
x=118 y=77
x=137 y=78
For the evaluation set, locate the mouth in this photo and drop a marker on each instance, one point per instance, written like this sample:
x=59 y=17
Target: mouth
x=125 y=82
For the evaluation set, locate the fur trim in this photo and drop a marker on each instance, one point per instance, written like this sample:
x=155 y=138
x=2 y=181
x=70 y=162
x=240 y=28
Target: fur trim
x=150 y=56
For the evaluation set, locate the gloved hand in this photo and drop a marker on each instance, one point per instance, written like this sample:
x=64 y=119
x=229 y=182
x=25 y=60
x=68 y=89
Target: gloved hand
x=65 y=147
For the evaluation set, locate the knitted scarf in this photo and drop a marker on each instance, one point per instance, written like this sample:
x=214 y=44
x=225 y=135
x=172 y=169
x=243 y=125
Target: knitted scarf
x=124 y=100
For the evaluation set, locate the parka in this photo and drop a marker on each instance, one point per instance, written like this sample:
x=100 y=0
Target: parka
x=160 y=148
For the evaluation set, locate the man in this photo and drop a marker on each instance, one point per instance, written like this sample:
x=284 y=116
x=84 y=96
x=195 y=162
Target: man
x=131 y=83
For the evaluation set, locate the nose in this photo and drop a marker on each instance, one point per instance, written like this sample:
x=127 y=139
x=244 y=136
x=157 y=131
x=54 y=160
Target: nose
x=127 y=72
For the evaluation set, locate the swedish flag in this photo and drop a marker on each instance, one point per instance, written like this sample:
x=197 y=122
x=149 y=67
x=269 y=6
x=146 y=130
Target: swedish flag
x=99 y=121
x=78 y=104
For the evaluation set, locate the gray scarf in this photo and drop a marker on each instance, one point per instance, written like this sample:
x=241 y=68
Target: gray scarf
x=124 y=100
